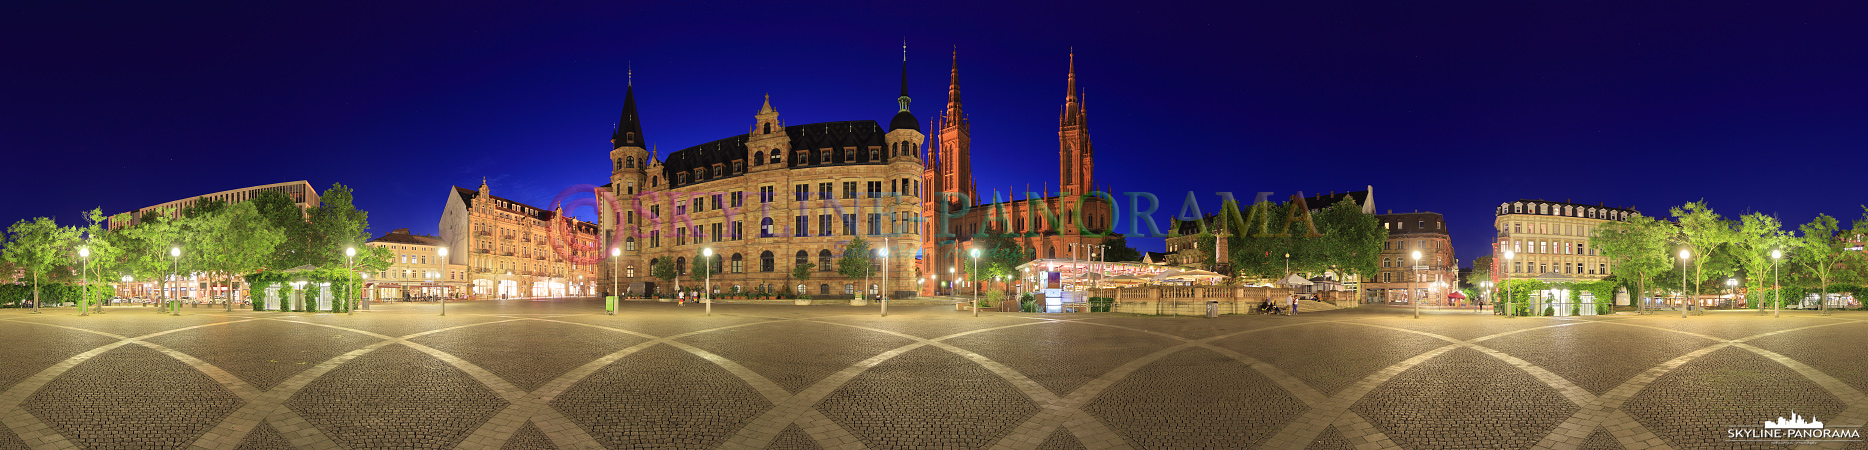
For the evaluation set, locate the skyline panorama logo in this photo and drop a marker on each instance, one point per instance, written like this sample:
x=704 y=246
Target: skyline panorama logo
x=1794 y=430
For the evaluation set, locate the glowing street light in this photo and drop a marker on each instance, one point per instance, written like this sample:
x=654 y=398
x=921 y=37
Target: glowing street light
x=1777 y=294
x=350 y=264
x=975 y=253
x=616 y=257
x=443 y=251
x=1510 y=291
x=1684 y=304
x=84 y=309
x=175 y=305
x=707 y=273
x=884 y=299
x=1410 y=284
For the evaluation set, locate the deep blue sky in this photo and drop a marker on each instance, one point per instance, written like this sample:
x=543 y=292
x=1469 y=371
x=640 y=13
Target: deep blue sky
x=1442 y=106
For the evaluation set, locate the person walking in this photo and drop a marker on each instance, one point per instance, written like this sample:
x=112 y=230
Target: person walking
x=1293 y=305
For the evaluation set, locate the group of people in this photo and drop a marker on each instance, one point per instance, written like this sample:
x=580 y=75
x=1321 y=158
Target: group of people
x=1288 y=306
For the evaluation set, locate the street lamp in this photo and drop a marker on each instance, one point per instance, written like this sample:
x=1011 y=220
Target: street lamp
x=707 y=273
x=616 y=256
x=1410 y=284
x=1777 y=294
x=884 y=299
x=175 y=305
x=443 y=251
x=1731 y=284
x=1510 y=291
x=975 y=253
x=350 y=265
x=84 y=309
x=1683 y=301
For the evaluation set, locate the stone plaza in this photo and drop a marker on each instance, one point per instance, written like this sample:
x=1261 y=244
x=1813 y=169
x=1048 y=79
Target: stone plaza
x=563 y=374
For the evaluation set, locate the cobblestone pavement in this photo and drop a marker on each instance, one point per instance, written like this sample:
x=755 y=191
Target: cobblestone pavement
x=561 y=374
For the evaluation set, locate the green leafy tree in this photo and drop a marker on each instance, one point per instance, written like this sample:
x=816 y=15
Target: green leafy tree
x=146 y=248
x=36 y=247
x=703 y=267
x=237 y=241
x=664 y=269
x=1120 y=251
x=1638 y=247
x=1703 y=232
x=289 y=219
x=999 y=258
x=334 y=225
x=106 y=255
x=1757 y=235
x=803 y=271
x=1820 y=250
x=855 y=261
x=1352 y=241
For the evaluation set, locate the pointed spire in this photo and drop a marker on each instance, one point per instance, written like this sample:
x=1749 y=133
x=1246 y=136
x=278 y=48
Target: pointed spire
x=904 y=73
x=629 y=126
x=768 y=104
x=953 y=90
x=1072 y=109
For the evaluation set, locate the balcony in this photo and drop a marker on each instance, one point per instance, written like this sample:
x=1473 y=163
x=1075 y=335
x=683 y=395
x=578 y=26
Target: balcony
x=506 y=237
x=540 y=257
x=483 y=233
x=505 y=253
x=482 y=251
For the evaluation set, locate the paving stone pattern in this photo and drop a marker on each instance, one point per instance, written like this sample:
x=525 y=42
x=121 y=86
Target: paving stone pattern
x=396 y=397
x=1500 y=406
x=661 y=397
x=946 y=400
x=528 y=374
x=132 y=397
x=1195 y=398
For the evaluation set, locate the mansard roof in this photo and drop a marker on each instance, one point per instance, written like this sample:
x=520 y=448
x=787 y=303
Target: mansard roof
x=815 y=136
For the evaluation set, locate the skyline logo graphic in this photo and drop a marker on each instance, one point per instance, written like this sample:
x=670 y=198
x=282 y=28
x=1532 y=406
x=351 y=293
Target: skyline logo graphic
x=1795 y=430
x=1795 y=421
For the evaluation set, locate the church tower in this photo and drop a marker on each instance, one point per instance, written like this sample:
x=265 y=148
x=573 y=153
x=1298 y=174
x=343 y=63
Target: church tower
x=1075 y=166
x=956 y=142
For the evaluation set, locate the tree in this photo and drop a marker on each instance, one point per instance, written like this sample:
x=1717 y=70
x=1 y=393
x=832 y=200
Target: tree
x=999 y=257
x=334 y=225
x=704 y=266
x=236 y=241
x=802 y=272
x=1703 y=231
x=855 y=261
x=285 y=215
x=1352 y=241
x=146 y=247
x=1819 y=251
x=1757 y=235
x=664 y=269
x=36 y=247
x=1638 y=247
x=1120 y=251
x=106 y=254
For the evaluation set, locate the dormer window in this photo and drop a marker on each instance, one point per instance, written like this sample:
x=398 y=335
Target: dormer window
x=875 y=154
x=716 y=170
x=629 y=137
x=739 y=167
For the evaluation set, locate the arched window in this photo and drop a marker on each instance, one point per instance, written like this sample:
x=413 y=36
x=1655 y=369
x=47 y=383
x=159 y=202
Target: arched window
x=681 y=265
x=765 y=227
x=629 y=162
x=739 y=265
x=758 y=158
x=768 y=128
x=803 y=258
x=765 y=261
x=1050 y=252
x=776 y=157
x=894 y=148
x=824 y=261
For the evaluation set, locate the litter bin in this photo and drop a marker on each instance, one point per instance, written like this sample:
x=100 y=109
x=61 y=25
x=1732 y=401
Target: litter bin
x=1212 y=309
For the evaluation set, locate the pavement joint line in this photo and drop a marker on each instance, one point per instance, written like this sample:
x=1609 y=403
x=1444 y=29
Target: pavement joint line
x=15 y=416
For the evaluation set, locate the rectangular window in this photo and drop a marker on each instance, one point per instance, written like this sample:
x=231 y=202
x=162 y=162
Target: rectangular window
x=849 y=189
x=823 y=225
x=804 y=226
x=716 y=201
x=739 y=230
x=716 y=232
x=739 y=199
x=823 y=190
x=849 y=224
x=875 y=189
x=765 y=194
x=875 y=221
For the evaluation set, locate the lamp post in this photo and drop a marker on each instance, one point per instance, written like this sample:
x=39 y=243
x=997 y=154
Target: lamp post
x=361 y=276
x=127 y=280
x=84 y=308
x=1777 y=295
x=707 y=274
x=1510 y=291
x=1487 y=285
x=175 y=306
x=616 y=257
x=1683 y=302
x=443 y=251
x=975 y=253
x=1731 y=284
x=884 y=299
x=1412 y=298
x=350 y=266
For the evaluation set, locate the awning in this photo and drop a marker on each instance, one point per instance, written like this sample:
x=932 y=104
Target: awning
x=1456 y=295
x=1295 y=280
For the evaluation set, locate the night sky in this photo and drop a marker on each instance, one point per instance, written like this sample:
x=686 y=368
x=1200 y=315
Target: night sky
x=1443 y=107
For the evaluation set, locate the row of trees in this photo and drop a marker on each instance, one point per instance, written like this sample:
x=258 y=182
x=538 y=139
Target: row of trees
x=212 y=238
x=1340 y=238
x=1814 y=256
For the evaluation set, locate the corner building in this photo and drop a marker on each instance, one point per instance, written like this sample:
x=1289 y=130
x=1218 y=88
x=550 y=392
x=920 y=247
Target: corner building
x=515 y=250
x=1550 y=240
x=766 y=202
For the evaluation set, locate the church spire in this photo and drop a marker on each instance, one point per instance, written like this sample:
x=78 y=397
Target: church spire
x=1073 y=109
x=953 y=90
x=628 y=131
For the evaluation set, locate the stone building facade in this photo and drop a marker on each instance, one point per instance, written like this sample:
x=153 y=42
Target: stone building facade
x=1048 y=223
x=416 y=269
x=766 y=202
x=515 y=250
x=1401 y=279
x=1550 y=240
x=299 y=191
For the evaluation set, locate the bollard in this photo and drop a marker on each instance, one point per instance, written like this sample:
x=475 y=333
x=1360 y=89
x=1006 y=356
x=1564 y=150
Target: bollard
x=1212 y=309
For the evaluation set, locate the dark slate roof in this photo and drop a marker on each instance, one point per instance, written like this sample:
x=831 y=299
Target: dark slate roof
x=1413 y=223
x=813 y=137
x=1575 y=209
x=1324 y=201
x=904 y=121
x=629 y=122
x=469 y=195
